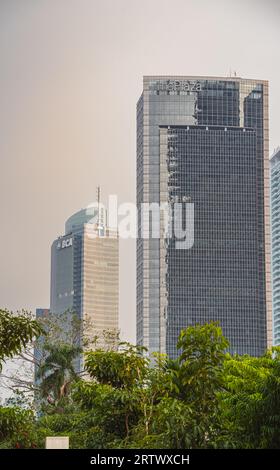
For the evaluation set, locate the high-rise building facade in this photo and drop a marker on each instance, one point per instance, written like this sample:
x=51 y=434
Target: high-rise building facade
x=204 y=140
x=85 y=272
x=275 y=242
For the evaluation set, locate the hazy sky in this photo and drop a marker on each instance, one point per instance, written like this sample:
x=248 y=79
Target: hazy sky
x=71 y=73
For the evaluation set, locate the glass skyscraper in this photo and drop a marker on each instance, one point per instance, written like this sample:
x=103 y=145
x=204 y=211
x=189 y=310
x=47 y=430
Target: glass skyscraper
x=85 y=274
x=204 y=140
x=275 y=235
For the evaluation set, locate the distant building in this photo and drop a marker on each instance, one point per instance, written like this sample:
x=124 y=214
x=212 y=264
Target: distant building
x=85 y=275
x=275 y=233
x=85 y=271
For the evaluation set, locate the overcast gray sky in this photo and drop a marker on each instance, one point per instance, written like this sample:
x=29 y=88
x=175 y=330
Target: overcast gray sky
x=71 y=73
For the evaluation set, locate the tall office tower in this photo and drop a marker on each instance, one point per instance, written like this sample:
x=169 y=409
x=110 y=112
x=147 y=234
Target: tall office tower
x=275 y=236
x=85 y=272
x=204 y=141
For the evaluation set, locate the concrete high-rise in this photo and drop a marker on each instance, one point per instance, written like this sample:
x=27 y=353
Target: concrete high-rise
x=204 y=140
x=275 y=242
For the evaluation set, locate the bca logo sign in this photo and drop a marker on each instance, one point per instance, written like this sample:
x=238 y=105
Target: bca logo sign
x=65 y=243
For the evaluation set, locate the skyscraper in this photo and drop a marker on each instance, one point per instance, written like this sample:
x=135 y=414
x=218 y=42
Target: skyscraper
x=204 y=140
x=275 y=236
x=85 y=271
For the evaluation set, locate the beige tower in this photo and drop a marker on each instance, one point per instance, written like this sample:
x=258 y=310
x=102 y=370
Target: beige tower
x=100 y=286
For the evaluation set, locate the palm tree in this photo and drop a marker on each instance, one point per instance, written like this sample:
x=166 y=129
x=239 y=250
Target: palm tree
x=58 y=371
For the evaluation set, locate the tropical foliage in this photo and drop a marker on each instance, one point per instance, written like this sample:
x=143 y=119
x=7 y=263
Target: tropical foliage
x=15 y=333
x=57 y=371
x=206 y=398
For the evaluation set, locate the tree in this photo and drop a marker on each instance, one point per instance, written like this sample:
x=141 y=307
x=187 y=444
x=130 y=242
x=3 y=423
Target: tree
x=250 y=400
x=267 y=414
x=188 y=411
x=16 y=428
x=62 y=355
x=122 y=368
x=15 y=333
x=58 y=371
x=113 y=393
x=206 y=398
x=170 y=404
x=60 y=330
x=197 y=374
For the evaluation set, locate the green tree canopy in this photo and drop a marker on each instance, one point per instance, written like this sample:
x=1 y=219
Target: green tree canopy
x=15 y=332
x=58 y=370
x=120 y=368
x=207 y=398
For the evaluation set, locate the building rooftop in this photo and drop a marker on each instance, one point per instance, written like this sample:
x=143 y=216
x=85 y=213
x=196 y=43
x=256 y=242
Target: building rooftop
x=84 y=216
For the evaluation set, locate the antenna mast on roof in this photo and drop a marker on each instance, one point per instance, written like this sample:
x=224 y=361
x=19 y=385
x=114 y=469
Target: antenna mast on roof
x=98 y=205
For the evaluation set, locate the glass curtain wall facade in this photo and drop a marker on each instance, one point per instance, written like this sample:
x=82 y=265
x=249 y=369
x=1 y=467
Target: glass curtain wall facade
x=205 y=140
x=85 y=274
x=275 y=235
